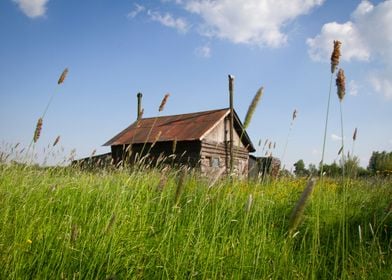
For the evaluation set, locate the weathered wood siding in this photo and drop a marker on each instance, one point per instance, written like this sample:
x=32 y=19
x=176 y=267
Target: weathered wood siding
x=215 y=151
x=211 y=154
x=185 y=153
x=259 y=167
x=215 y=159
x=220 y=134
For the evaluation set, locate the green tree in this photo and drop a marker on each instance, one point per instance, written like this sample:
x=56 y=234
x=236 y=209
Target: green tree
x=380 y=163
x=332 y=170
x=313 y=169
x=300 y=169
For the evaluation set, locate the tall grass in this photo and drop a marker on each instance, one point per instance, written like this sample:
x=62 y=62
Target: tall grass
x=335 y=57
x=63 y=223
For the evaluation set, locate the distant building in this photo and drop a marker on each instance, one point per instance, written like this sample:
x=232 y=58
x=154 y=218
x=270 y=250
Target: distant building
x=259 y=167
x=199 y=140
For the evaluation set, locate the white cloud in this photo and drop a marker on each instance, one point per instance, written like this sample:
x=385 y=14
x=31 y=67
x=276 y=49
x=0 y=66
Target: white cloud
x=353 y=88
x=257 y=22
x=320 y=47
x=335 y=137
x=32 y=8
x=203 y=51
x=137 y=10
x=382 y=82
x=366 y=37
x=180 y=24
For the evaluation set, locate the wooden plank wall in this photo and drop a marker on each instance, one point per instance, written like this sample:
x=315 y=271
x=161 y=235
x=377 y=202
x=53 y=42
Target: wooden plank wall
x=210 y=150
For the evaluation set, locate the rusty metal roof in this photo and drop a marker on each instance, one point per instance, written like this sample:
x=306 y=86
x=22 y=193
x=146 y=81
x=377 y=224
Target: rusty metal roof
x=185 y=127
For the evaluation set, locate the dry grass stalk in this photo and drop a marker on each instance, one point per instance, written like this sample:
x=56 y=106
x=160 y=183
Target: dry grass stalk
x=156 y=139
x=37 y=132
x=355 y=134
x=335 y=55
x=162 y=183
x=341 y=84
x=74 y=233
x=163 y=103
x=56 y=141
x=249 y=203
x=252 y=107
x=174 y=147
x=63 y=76
x=93 y=153
x=298 y=211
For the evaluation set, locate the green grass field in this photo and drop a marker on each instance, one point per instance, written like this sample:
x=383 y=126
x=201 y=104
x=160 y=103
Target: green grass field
x=63 y=223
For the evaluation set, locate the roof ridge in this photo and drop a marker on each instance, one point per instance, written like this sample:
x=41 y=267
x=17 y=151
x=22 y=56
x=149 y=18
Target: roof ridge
x=176 y=115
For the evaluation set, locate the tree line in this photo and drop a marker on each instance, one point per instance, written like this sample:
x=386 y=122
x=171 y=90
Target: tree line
x=380 y=163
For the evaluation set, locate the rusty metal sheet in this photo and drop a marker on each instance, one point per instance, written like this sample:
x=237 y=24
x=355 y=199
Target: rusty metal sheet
x=185 y=127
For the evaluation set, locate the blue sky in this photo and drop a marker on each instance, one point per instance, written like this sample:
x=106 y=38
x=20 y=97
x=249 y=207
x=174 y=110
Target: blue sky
x=114 y=49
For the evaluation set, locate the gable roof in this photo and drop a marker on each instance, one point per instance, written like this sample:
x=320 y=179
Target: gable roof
x=184 y=127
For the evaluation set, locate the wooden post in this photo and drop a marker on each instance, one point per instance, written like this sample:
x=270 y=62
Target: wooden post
x=231 y=93
x=139 y=105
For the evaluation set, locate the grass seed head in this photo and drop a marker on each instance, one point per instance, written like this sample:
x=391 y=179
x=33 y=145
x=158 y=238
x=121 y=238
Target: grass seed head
x=252 y=107
x=294 y=114
x=335 y=55
x=63 y=76
x=298 y=211
x=163 y=103
x=341 y=84
x=38 y=128
x=56 y=141
x=340 y=150
x=174 y=147
x=355 y=134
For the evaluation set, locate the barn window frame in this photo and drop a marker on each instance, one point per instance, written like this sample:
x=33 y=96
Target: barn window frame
x=214 y=161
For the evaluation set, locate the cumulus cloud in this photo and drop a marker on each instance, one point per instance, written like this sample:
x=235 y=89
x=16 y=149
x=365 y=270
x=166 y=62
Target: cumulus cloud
x=32 y=8
x=180 y=24
x=353 y=47
x=366 y=37
x=249 y=21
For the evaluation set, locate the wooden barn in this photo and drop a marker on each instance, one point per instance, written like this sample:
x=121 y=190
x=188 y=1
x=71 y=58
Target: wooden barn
x=200 y=140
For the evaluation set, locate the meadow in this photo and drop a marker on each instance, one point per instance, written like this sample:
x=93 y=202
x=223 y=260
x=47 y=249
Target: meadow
x=66 y=223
